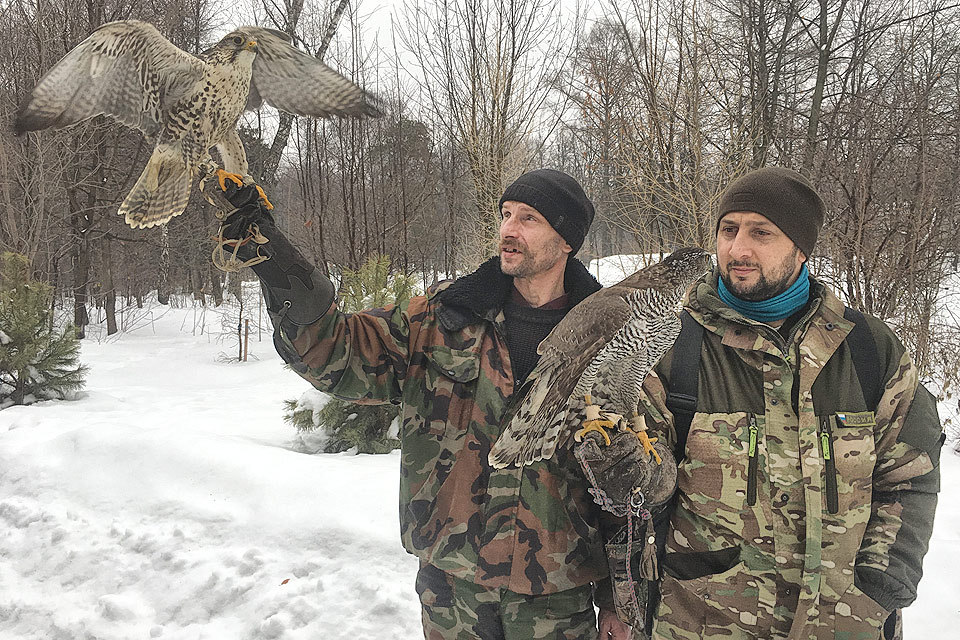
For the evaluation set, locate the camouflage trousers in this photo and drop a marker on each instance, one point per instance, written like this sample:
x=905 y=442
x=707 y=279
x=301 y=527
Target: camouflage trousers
x=455 y=608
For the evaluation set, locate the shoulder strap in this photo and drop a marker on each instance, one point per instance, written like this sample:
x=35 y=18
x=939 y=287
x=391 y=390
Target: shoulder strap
x=866 y=358
x=685 y=379
x=685 y=370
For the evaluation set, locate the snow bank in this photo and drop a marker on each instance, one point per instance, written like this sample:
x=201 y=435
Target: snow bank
x=168 y=503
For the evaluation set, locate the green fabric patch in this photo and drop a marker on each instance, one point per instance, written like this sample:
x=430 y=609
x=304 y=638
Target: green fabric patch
x=922 y=429
x=857 y=419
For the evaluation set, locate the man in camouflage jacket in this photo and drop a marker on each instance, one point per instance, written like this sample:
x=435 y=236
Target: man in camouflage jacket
x=802 y=512
x=509 y=553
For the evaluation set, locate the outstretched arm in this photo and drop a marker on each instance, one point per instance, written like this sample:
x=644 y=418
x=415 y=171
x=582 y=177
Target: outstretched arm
x=352 y=356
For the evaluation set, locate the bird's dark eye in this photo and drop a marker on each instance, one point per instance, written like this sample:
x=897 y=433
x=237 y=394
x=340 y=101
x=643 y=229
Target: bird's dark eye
x=237 y=40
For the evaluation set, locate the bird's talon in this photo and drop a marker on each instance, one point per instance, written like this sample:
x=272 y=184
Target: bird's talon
x=263 y=197
x=598 y=425
x=647 y=443
x=223 y=176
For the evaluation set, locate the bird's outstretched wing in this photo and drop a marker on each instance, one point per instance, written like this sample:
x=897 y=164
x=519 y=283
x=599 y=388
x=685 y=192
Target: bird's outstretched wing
x=125 y=69
x=293 y=81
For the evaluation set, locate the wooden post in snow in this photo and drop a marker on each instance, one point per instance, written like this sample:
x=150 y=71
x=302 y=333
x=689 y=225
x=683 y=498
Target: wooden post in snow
x=246 y=338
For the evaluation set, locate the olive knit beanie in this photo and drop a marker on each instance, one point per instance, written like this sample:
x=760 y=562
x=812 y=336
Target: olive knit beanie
x=782 y=196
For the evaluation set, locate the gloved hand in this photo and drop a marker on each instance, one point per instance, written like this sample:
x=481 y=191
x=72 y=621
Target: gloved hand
x=249 y=220
x=296 y=292
x=622 y=469
x=627 y=481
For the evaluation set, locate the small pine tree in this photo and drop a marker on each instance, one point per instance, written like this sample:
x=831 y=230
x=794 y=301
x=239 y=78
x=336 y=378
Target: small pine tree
x=37 y=362
x=371 y=286
x=342 y=426
x=346 y=425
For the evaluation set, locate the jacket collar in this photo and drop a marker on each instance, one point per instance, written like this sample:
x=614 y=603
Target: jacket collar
x=481 y=295
x=704 y=303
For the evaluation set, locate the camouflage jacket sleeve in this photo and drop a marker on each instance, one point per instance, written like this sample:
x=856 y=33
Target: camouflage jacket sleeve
x=360 y=357
x=906 y=480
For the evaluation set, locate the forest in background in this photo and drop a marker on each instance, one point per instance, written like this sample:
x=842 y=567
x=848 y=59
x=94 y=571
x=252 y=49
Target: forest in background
x=654 y=105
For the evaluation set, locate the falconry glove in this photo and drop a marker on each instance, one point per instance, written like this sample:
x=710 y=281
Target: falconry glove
x=626 y=474
x=295 y=290
x=627 y=480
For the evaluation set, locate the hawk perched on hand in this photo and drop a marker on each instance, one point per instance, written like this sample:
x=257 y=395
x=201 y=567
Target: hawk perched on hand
x=601 y=351
x=184 y=103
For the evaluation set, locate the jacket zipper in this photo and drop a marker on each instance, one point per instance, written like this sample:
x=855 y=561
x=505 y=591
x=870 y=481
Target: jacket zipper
x=754 y=431
x=826 y=448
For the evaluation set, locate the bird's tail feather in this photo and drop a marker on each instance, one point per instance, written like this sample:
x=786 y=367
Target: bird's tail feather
x=161 y=192
x=530 y=430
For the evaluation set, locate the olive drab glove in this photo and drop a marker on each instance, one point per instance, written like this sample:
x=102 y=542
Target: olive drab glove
x=296 y=292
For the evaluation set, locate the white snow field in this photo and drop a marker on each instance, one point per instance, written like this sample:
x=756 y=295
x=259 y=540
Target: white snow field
x=170 y=501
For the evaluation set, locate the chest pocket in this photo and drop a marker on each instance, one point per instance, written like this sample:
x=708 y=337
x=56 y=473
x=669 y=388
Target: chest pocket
x=849 y=454
x=451 y=378
x=717 y=465
x=459 y=365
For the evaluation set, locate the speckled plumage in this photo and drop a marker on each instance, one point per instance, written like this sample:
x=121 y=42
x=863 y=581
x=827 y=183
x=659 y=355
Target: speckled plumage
x=605 y=346
x=185 y=104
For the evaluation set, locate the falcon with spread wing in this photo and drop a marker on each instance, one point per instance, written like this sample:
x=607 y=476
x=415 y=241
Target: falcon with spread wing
x=593 y=362
x=185 y=104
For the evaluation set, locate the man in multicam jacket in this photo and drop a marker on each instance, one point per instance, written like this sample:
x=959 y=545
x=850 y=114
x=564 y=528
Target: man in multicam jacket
x=802 y=512
x=511 y=553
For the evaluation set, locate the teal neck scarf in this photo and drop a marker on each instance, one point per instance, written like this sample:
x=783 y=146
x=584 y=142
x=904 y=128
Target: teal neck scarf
x=776 y=308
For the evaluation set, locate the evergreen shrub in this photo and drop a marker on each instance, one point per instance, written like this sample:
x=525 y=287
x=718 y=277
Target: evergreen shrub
x=37 y=361
x=344 y=425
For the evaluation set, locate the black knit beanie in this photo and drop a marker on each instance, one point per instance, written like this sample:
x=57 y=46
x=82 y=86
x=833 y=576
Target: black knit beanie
x=782 y=196
x=559 y=198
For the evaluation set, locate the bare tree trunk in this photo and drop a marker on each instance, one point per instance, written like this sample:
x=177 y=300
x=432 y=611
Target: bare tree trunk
x=216 y=287
x=163 y=269
x=109 y=291
x=80 y=226
x=826 y=34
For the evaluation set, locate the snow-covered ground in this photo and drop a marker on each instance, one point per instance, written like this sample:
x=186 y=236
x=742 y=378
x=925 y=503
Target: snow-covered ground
x=171 y=502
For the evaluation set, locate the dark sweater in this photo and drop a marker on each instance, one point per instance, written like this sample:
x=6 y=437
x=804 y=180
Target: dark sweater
x=526 y=326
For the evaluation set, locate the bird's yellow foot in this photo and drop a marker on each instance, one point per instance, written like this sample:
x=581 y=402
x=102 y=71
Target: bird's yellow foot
x=594 y=422
x=266 y=203
x=647 y=443
x=237 y=179
x=639 y=428
x=223 y=176
x=599 y=425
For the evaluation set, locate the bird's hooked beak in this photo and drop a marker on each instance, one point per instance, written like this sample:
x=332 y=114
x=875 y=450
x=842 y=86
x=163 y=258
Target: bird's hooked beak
x=251 y=46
